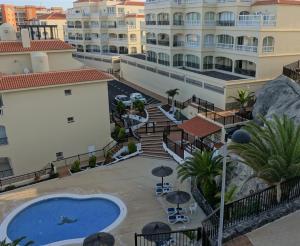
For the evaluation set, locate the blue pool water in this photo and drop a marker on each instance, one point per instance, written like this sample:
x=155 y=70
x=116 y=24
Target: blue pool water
x=58 y=219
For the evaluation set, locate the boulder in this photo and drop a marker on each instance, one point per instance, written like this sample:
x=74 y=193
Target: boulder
x=279 y=96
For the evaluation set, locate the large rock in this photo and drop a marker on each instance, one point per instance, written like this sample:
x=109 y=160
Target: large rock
x=279 y=96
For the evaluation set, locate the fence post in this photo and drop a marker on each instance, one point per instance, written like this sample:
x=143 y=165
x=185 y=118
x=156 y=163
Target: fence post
x=135 y=239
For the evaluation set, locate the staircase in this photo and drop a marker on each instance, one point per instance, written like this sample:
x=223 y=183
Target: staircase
x=152 y=142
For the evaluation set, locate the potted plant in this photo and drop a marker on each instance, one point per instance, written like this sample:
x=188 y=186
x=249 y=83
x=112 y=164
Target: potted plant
x=75 y=166
x=243 y=99
x=92 y=161
x=121 y=134
x=108 y=157
x=172 y=93
x=131 y=147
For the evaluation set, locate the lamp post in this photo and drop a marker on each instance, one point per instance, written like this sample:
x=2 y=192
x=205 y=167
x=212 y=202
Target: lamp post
x=241 y=137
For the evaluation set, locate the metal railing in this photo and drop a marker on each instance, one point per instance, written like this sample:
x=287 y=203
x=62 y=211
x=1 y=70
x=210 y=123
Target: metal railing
x=252 y=206
x=177 y=148
x=158 y=126
x=191 y=237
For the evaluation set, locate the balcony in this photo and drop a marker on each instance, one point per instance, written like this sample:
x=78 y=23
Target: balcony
x=192 y=23
x=163 y=42
x=192 y=65
x=223 y=67
x=178 y=63
x=192 y=44
x=151 y=41
x=3 y=141
x=178 y=22
x=268 y=49
x=151 y=59
x=224 y=46
x=209 y=45
x=246 y=72
x=225 y=23
x=150 y=23
x=209 y=22
x=163 y=23
x=256 y=20
x=163 y=62
x=246 y=48
x=178 y=44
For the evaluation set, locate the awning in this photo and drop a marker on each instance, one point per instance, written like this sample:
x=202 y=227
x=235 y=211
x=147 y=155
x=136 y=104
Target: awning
x=199 y=127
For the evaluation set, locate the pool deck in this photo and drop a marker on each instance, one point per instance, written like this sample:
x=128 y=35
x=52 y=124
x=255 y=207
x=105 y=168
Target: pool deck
x=130 y=180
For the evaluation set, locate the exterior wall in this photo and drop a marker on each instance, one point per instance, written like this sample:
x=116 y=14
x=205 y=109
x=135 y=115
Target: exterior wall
x=16 y=63
x=37 y=128
x=60 y=26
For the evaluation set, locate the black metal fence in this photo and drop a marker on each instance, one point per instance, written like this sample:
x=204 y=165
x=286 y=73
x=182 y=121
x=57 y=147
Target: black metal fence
x=157 y=126
x=177 y=148
x=191 y=237
x=252 y=206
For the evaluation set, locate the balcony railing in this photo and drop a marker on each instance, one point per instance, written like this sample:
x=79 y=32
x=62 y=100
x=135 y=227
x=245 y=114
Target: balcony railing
x=192 y=44
x=209 y=45
x=178 y=63
x=209 y=22
x=225 y=23
x=178 y=22
x=246 y=72
x=192 y=64
x=3 y=141
x=151 y=41
x=192 y=22
x=268 y=49
x=223 y=67
x=78 y=26
x=247 y=48
x=163 y=23
x=178 y=43
x=150 y=23
x=163 y=42
x=224 y=46
x=163 y=62
x=256 y=20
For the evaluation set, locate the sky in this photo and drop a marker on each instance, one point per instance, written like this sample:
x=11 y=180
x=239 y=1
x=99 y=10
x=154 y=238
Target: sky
x=48 y=3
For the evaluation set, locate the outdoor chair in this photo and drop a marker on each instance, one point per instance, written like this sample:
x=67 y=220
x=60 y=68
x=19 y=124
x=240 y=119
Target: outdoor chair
x=162 y=191
x=166 y=185
x=173 y=219
x=173 y=211
x=193 y=208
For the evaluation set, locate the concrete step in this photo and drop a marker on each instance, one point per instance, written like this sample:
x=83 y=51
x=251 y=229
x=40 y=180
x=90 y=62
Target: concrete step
x=156 y=156
x=151 y=135
x=157 y=148
x=151 y=143
x=156 y=152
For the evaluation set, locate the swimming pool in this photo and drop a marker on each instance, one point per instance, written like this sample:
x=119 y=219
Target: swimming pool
x=63 y=218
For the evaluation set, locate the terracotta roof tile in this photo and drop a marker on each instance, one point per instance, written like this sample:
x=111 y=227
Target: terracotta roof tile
x=37 y=45
x=199 y=127
x=52 y=16
x=23 y=81
x=270 y=2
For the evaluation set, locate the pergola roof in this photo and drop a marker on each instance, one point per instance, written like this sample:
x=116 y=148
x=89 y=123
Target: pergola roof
x=199 y=127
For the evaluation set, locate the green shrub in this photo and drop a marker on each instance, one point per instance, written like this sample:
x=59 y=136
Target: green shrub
x=131 y=147
x=75 y=166
x=108 y=156
x=116 y=132
x=139 y=106
x=92 y=161
x=122 y=134
x=10 y=187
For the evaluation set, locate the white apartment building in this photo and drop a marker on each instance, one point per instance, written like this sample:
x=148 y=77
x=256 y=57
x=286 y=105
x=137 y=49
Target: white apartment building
x=101 y=30
x=211 y=48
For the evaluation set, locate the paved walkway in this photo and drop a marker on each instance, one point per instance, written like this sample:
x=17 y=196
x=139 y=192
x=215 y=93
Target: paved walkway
x=130 y=180
x=282 y=232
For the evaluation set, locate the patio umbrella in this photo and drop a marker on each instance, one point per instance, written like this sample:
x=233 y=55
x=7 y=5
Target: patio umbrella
x=153 y=230
x=99 y=239
x=178 y=197
x=162 y=171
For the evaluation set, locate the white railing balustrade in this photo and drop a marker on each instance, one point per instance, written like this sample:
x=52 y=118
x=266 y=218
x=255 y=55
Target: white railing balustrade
x=268 y=49
x=225 y=46
x=247 y=48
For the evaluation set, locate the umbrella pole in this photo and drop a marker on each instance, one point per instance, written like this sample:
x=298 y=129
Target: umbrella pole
x=162 y=182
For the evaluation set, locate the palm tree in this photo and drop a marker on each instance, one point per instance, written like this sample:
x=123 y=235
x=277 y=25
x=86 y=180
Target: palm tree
x=172 y=93
x=274 y=150
x=204 y=166
x=121 y=108
x=243 y=99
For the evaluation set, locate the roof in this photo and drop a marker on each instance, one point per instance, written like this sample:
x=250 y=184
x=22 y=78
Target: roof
x=132 y=3
x=199 y=127
x=52 y=16
x=36 y=45
x=135 y=15
x=33 y=80
x=270 y=2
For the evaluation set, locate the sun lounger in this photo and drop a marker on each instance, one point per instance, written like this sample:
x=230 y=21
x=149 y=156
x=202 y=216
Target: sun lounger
x=172 y=211
x=165 y=185
x=173 y=219
x=161 y=191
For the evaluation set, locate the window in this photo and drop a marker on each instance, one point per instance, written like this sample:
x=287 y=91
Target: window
x=3 y=137
x=70 y=119
x=5 y=167
x=59 y=155
x=68 y=92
